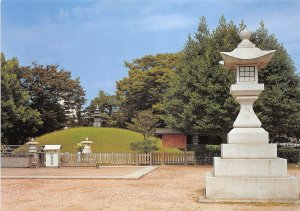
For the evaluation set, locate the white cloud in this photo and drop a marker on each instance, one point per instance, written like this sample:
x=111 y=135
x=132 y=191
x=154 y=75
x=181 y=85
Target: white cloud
x=165 y=22
x=103 y=6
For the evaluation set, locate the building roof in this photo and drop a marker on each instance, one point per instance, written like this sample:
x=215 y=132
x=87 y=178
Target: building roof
x=52 y=147
x=164 y=131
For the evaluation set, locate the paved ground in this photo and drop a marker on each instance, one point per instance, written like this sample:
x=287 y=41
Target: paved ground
x=166 y=188
x=103 y=172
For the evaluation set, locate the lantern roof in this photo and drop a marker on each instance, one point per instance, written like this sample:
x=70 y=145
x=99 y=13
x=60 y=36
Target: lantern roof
x=86 y=141
x=246 y=54
x=32 y=142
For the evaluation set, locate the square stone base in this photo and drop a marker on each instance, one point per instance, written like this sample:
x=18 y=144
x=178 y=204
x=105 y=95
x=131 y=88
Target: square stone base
x=249 y=151
x=252 y=188
x=275 y=167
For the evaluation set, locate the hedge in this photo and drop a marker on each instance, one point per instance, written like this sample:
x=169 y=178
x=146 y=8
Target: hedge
x=291 y=154
x=205 y=153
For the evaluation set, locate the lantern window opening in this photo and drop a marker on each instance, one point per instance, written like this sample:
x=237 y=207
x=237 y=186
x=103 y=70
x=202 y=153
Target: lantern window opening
x=246 y=73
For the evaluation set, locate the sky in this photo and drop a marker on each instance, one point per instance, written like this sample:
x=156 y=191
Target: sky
x=92 y=39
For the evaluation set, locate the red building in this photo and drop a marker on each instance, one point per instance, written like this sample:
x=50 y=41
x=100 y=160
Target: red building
x=172 y=138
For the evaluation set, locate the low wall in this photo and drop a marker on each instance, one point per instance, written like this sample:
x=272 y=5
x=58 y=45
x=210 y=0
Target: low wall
x=15 y=162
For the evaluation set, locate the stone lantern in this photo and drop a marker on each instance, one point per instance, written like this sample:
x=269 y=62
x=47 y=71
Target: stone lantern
x=249 y=168
x=32 y=146
x=97 y=117
x=87 y=148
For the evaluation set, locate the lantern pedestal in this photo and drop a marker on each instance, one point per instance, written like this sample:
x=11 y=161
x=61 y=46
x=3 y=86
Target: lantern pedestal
x=252 y=188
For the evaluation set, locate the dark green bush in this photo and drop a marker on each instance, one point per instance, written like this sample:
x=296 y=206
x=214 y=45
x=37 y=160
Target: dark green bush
x=145 y=146
x=289 y=153
x=205 y=153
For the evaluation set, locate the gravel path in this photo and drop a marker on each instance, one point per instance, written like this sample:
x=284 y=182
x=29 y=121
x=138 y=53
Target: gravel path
x=166 y=188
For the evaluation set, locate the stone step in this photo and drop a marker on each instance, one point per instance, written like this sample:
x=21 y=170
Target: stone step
x=276 y=167
x=248 y=136
x=249 y=150
x=286 y=188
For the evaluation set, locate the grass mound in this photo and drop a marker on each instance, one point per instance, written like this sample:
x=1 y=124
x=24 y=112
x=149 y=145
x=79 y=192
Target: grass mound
x=105 y=139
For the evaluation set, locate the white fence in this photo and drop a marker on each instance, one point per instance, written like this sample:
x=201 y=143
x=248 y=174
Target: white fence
x=116 y=158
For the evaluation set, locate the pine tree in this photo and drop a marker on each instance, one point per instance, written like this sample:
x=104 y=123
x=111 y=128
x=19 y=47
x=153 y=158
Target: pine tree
x=279 y=105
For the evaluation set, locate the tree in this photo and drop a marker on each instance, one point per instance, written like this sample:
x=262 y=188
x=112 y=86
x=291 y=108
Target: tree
x=18 y=120
x=144 y=88
x=52 y=92
x=144 y=122
x=279 y=105
x=198 y=100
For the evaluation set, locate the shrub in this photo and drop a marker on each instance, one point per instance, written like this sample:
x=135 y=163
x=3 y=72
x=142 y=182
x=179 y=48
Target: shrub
x=79 y=147
x=205 y=153
x=289 y=153
x=145 y=146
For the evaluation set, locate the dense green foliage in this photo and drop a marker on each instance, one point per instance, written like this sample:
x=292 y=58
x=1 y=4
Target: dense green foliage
x=279 y=105
x=35 y=100
x=205 y=153
x=144 y=122
x=145 y=146
x=291 y=154
x=144 y=88
x=18 y=120
x=198 y=100
x=52 y=93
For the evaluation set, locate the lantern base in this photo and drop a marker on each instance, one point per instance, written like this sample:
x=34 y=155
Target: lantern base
x=252 y=188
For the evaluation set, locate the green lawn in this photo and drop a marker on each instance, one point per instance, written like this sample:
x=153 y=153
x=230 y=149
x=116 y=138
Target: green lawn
x=105 y=139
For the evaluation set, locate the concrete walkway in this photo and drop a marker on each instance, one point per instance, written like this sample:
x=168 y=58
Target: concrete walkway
x=136 y=174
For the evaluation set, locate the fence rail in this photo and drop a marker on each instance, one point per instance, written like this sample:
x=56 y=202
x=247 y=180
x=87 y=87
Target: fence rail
x=9 y=148
x=115 y=158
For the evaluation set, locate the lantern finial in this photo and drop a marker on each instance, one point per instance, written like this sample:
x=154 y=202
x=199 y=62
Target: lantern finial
x=245 y=34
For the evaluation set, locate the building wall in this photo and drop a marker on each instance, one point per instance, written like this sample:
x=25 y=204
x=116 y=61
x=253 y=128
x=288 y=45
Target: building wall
x=174 y=141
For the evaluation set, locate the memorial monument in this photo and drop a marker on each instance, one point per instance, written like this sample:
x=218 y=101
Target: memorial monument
x=249 y=168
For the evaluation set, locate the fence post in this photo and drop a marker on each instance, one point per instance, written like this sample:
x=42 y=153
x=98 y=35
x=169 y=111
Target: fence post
x=136 y=159
x=298 y=158
x=185 y=156
x=150 y=158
